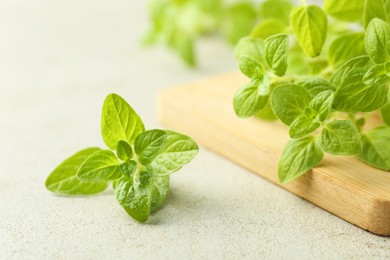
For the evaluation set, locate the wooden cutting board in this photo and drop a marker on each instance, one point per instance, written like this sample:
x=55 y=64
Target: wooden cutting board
x=343 y=186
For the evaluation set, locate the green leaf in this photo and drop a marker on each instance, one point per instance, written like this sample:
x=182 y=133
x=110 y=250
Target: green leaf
x=63 y=179
x=276 y=49
x=309 y=24
x=238 y=21
x=346 y=47
x=378 y=40
x=178 y=150
x=279 y=9
x=298 y=157
x=344 y=9
x=376 y=148
x=160 y=190
x=128 y=168
x=322 y=104
x=267 y=28
x=316 y=85
x=376 y=9
x=251 y=47
x=135 y=196
x=149 y=144
x=249 y=66
x=249 y=100
x=340 y=137
x=119 y=122
x=355 y=96
x=101 y=166
x=124 y=151
x=377 y=75
x=289 y=101
x=361 y=62
x=304 y=124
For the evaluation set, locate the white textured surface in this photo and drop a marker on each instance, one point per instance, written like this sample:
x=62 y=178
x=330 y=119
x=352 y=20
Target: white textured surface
x=58 y=60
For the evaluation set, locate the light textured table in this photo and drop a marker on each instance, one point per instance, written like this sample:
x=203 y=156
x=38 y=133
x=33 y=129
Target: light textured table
x=58 y=60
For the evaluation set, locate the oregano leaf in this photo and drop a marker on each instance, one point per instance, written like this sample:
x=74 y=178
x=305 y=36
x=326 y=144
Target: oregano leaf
x=340 y=137
x=101 y=166
x=63 y=179
x=149 y=144
x=298 y=157
x=376 y=148
x=289 y=101
x=378 y=41
x=178 y=150
x=119 y=122
x=304 y=124
x=248 y=101
x=276 y=49
x=309 y=24
x=124 y=151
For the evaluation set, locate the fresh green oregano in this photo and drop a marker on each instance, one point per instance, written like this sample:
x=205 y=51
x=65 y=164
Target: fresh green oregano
x=326 y=103
x=138 y=163
x=323 y=71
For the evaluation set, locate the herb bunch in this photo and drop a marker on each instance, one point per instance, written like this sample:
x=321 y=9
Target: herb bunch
x=324 y=73
x=179 y=23
x=137 y=163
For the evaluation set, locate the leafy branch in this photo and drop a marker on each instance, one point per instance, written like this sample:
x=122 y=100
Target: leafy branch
x=138 y=162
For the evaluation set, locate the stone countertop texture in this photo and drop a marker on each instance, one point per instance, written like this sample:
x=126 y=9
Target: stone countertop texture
x=58 y=60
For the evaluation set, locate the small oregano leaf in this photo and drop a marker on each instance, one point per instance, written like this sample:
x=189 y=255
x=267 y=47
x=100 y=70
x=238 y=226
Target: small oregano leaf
x=289 y=101
x=322 y=104
x=128 y=168
x=249 y=67
x=309 y=24
x=340 y=137
x=119 y=122
x=63 y=179
x=298 y=157
x=251 y=47
x=276 y=53
x=304 y=124
x=149 y=144
x=248 y=100
x=101 y=166
x=376 y=148
x=124 y=151
x=178 y=150
x=378 y=41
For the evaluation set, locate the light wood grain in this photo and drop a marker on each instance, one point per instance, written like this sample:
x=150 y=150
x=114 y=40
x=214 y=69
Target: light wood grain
x=343 y=186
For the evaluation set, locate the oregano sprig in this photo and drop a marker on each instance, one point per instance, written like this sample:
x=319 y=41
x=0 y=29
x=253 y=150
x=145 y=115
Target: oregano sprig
x=325 y=107
x=138 y=162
